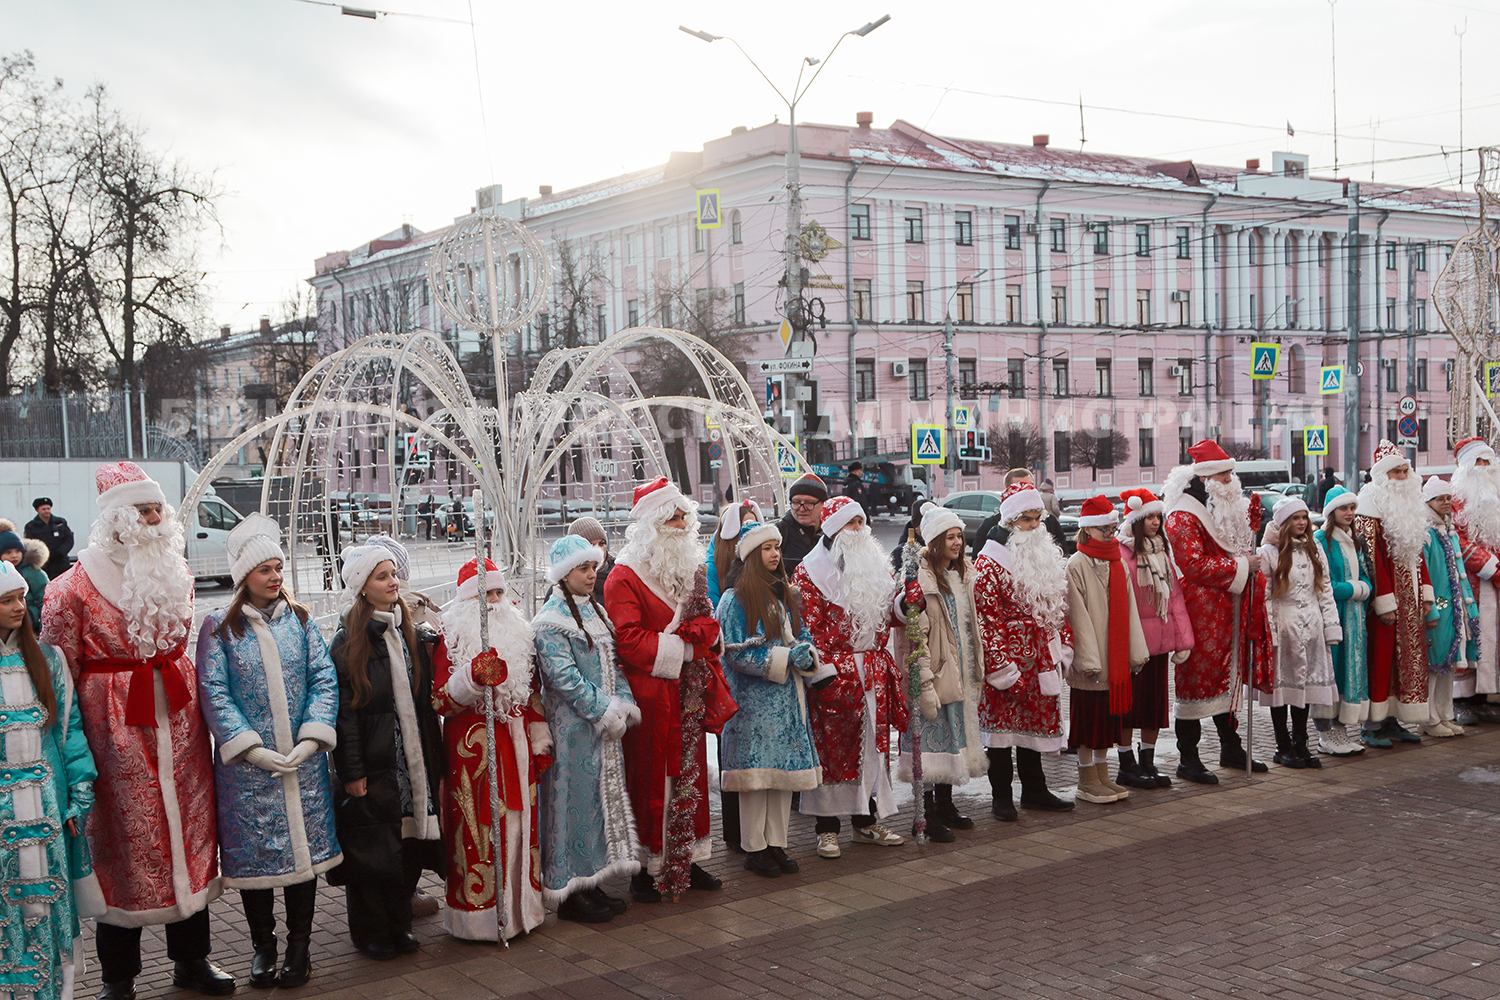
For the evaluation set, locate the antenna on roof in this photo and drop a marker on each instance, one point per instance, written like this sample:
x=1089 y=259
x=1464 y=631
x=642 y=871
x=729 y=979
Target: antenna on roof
x=1083 y=136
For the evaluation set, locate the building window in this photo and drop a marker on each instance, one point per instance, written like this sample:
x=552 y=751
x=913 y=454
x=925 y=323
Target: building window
x=1184 y=442
x=1184 y=302
x=1104 y=377
x=915 y=310
x=1419 y=257
x=736 y=230
x=864 y=303
x=600 y=321
x=1184 y=244
x=1059 y=304
x=1421 y=374
x=1015 y=377
x=1059 y=376
x=864 y=379
x=859 y=222
x=963 y=300
x=1145 y=376
x=1101 y=307
x=968 y=378
x=1390 y=256
x=1143 y=307
x=1059 y=236
x=916 y=378
x=1012 y=232
x=1142 y=239
x=739 y=303
x=1419 y=318
x=1101 y=237
x=1448 y=374
x=1422 y=434
x=700 y=240
x=666 y=314
x=1252 y=247
x=914 y=225
x=665 y=246
x=1062 y=454
x=963 y=228
x=1146 y=448
x=1390 y=314
x=1184 y=376
x=1389 y=366
x=632 y=314
x=1012 y=303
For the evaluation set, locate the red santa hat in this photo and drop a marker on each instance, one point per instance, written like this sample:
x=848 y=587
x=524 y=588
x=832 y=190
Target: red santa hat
x=1436 y=487
x=468 y=579
x=753 y=535
x=1098 y=512
x=1017 y=499
x=1139 y=503
x=1472 y=449
x=1209 y=459
x=839 y=511
x=125 y=484
x=653 y=496
x=1387 y=457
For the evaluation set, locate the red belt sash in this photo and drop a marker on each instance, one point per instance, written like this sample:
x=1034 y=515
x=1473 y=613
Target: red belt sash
x=140 y=701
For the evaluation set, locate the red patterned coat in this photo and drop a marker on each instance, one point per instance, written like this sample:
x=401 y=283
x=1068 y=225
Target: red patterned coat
x=154 y=830
x=1023 y=715
x=1398 y=652
x=1215 y=583
x=1481 y=564
x=837 y=712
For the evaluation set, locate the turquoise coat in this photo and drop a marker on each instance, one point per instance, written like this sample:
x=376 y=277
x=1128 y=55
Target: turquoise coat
x=1351 y=593
x=1453 y=639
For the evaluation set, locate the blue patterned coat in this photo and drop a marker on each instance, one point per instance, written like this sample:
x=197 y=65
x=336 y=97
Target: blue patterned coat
x=587 y=828
x=768 y=744
x=274 y=687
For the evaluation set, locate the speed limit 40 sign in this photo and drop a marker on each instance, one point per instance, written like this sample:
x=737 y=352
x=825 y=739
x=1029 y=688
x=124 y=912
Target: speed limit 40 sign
x=1407 y=406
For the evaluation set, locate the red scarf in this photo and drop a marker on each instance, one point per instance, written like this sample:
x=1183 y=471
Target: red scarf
x=1108 y=551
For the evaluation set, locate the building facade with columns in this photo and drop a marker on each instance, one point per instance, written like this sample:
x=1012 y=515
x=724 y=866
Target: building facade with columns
x=1103 y=306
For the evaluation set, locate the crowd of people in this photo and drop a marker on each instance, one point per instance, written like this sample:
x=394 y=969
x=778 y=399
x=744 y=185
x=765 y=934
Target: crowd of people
x=143 y=778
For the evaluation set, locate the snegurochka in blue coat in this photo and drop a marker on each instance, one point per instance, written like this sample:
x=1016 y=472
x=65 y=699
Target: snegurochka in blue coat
x=767 y=748
x=270 y=696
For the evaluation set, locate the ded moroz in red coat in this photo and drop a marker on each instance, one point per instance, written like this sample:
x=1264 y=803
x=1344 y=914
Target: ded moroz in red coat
x=1398 y=652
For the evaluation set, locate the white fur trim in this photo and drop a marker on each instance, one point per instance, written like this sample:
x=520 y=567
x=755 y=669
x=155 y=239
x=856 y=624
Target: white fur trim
x=1436 y=487
x=1213 y=468
x=321 y=732
x=1379 y=469
x=1472 y=452
x=1019 y=503
x=1100 y=520
x=558 y=570
x=88 y=897
x=239 y=746
x=555 y=897
x=659 y=498
x=540 y=736
x=1241 y=575
x=753 y=540
x=757 y=779
x=104 y=574
x=128 y=494
x=671 y=651
x=997 y=553
x=1488 y=569
x=835 y=522
x=776 y=669
x=1361 y=591
x=1384 y=604
x=461 y=686
x=1342 y=500
x=1427 y=593
x=1143 y=511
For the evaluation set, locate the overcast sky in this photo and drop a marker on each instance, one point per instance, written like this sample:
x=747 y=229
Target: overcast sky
x=325 y=130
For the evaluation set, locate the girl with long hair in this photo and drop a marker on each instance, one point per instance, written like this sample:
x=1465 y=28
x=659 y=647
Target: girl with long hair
x=270 y=697
x=1303 y=622
x=389 y=755
x=723 y=567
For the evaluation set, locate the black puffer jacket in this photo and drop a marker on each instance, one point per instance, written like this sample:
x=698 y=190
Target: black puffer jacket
x=796 y=541
x=369 y=827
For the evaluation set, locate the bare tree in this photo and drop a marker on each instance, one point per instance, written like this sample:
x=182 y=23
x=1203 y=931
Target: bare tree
x=1099 y=449
x=291 y=350
x=706 y=314
x=1241 y=451
x=577 y=286
x=1015 y=446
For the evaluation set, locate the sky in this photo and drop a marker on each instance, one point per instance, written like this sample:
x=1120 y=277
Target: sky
x=324 y=131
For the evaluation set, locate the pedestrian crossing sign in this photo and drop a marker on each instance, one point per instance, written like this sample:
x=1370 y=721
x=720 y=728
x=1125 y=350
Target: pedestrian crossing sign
x=708 y=209
x=1331 y=379
x=929 y=444
x=1492 y=378
x=1315 y=440
x=963 y=417
x=788 y=462
x=1263 y=360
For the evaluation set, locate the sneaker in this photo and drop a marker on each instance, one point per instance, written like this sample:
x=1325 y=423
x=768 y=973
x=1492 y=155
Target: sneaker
x=877 y=835
x=1454 y=729
x=1437 y=730
x=1463 y=716
x=1373 y=738
x=1394 y=730
x=828 y=845
x=1336 y=743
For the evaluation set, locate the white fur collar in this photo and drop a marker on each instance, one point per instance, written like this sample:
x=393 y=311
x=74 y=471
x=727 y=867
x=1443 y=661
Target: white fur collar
x=1000 y=554
x=104 y=573
x=643 y=572
x=823 y=571
x=1189 y=504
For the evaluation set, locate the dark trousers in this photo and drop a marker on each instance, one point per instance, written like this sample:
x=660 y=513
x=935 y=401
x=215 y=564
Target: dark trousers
x=380 y=909
x=830 y=824
x=119 y=948
x=1190 y=731
x=300 y=898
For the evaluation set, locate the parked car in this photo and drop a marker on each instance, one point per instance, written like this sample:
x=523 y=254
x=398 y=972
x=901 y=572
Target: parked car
x=973 y=507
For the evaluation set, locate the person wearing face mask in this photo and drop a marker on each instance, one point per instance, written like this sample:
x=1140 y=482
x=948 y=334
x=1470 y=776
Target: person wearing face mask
x=489 y=858
x=270 y=697
x=389 y=756
x=587 y=833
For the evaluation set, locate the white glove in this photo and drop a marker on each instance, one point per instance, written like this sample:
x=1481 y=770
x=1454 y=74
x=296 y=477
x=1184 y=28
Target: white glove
x=301 y=753
x=1181 y=655
x=269 y=760
x=1005 y=678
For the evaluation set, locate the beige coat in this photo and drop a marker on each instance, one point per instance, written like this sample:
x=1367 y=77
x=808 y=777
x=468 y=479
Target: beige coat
x=1088 y=614
x=948 y=678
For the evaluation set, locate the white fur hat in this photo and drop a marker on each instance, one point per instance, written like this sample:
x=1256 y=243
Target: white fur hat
x=251 y=542
x=359 y=562
x=569 y=552
x=937 y=520
x=1470 y=450
x=1286 y=507
x=11 y=579
x=1017 y=500
x=838 y=512
x=1387 y=457
x=1436 y=487
x=753 y=535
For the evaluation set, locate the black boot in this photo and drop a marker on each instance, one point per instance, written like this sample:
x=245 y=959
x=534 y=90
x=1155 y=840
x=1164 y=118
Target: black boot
x=1148 y=767
x=260 y=914
x=1286 y=751
x=1001 y=770
x=301 y=903
x=616 y=905
x=643 y=888
x=1034 y=791
x=1190 y=766
x=947 y=811
x=1299 y=738
x=1130 y=772
x=937 y=832
x=585 y=909
x=1231 y=747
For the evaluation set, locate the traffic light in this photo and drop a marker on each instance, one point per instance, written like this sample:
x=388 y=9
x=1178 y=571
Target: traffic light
x=972 y=446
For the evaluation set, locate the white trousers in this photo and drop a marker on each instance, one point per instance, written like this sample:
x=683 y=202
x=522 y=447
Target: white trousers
x=1439 y=698
x=763 y=819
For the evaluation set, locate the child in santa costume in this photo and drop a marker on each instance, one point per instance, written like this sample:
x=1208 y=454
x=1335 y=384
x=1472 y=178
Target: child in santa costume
x=1164 y=621
x=1021 y=596
x=588 y=832
x=1108 y=646
x=1453 y=619
x=1303 y=622
x=462 y=668
x=1349 y=575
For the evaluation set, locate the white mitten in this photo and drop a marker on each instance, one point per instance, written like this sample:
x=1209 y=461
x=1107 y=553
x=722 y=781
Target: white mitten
x=1005 y=678
x=301 y=753
x=269 y=760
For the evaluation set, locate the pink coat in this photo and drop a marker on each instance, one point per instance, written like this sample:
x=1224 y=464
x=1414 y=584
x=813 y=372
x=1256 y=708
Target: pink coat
x=1163 y=635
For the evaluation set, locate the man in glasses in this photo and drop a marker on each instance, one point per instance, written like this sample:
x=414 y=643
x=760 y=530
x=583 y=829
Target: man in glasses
x=800 y=526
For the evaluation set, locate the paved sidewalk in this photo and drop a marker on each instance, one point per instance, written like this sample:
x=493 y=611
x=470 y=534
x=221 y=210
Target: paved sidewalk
x=1369 y=878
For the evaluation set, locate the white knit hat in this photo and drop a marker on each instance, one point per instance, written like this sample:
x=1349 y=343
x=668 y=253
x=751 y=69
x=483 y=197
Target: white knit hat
x=1436 y=487
x=359 y=562
x=11 y=579
x=250 y=543
x=937 y=520
x=1286 y=507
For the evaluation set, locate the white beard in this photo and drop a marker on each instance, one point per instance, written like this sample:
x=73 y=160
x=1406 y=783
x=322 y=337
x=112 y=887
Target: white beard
x=1403 y=516
x=671 y=556
x=867 y=573
x=1476 y=492
x=1039 y=576
x=510 y=635
x=156 y=594
x=1229 y=514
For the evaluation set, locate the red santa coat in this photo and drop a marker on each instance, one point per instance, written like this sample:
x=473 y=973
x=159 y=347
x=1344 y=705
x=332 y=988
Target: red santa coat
x=1215 y=583
x=521 y=734
x=651 y=657
x=1398 y=652
x=837 y=711
x=1480 y=564
x=1023 y=715
x=153 y=830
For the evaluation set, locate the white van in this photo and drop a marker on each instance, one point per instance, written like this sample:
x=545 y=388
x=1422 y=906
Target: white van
x=1255 y=473
x=207 y=551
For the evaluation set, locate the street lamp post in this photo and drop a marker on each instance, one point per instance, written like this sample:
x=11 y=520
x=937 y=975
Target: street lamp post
x=952 y=458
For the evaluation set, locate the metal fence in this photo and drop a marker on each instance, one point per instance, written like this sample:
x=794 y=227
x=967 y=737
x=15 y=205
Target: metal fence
x=92 y=425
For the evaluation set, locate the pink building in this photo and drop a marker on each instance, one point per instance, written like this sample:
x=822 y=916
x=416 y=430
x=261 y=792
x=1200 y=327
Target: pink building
x=1094 y=297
